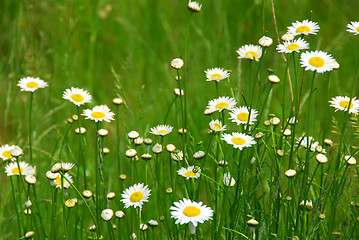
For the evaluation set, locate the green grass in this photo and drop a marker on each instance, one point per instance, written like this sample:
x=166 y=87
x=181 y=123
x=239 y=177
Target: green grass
x=124 y=49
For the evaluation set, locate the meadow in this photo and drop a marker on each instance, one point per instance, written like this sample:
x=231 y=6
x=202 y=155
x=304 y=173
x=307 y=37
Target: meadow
x=261 y=145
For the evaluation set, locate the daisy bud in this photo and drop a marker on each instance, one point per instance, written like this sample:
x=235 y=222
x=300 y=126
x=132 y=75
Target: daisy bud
x=259 y=135
x=29 y=234
x=182 y=131
x=169 y=190
x=292 y=121
x=265 y=41
x=153 y=223
x=138 y=141
x=287 y=37
x=103 y=132
x=309 y=205
x=133 y=135
x=27 y=211
x=199 y=154
x=147 y=141
x=70 y=203
x=290 y=173
x=266 y=123
x=130 y=153
x=208 y=111
x=328 y=142
x=57 y=167
x=123 y=176
x=30 y=179
x=28 y=203
x=146 y=156
x=280 y=153
x=321 y=158
x=170 y=148
x=222 y=163
x=75 y=117
x=274 y=121
x=319 y=149
x=178 y=92
x=106 y=150
x=157 y=148
x=119 y=214
x=87 y=194
x=322 y=216
x=52 y=176
x=107 y=214
x=194 y=6
x=350 y=160
x=92 y=228
x=177 y=63
x=16 y=152
x=133 y=236
x=228 y=180
x=70 y=120
x=287 y=132
x=117 y=101
x=83 y=130
x=143 y=226
x=177 y=156
x=111 y=195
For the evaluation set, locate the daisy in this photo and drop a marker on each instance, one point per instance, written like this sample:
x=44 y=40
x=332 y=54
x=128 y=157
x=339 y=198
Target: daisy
x=30 y=84
x=342 y=104
x=293 y=46
x=305 y=27
x=238 y=140
x=136 y=195
x=186 y=211
x=250 y=51
x=353 y=27
x=57 y=181
x=13 y=168
x=161 y=130
x=5 y=152
x=221 y=103
x=228 y=180
x=317 y=61
x=216 y=74
x=188 y=172
x=194 y=6
x=99 y=113
x=216 y=126
x=77 y=96
x=241 y=115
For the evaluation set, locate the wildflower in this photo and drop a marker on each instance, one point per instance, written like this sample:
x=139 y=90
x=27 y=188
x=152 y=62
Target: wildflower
x=223 y=163
x=119 y=214
x=138 y=141
x=117 y=101
x=70 y=203
x=265 y=41
x=133 y=135
x=328 y=142
x=186 y=211
x=157 y=148
x=153 y=223
x=52 y=176
x=143 y=226
x=305 y=27
x=287 y=132
x=177 y=156
x=16 y=152
x=216 y=126
x=77 y=96
x=5 y=152
x=199 y=154
x=99 y=113
x=353 y=27
x=147 y=141
x=182 y=131
x=208 y=111
x=318 y=61
x=194 y=6
x=102 y=132
x=130 y=153
x=216 y=74
x=29 y=234
x=290 y=173
x=13 y=169
x=292 y=121
x=252 y=223
x=250 y=51
x=56 y=167
x=60 y=181
x=350 y=160
x=178 y=92
x=228 y=180
x=161 y=130
x=287 y=37
x=293 y=46
x=274 y=121
x=238 y=140
x=321 y=158
x=241 y=115
x=111 y=195
x=189 y=172
x=170 y=148
x=30 y=179
x=135 y=195
x=107 y=214
x=146 y=156
x=221 y=103
x=169 y=190
x=273 y=79
x=83 y=130
x=106 y=150
x=259 y=135
x=30 y=84
x=177 y=63
x=342 y=104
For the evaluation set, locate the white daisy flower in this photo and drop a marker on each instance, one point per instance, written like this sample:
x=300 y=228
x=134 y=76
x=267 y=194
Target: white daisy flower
x=13 y=169
x=353 y=27
x=99 y=113
x=177 y=63
x=5 y=152
x=293 y=46
x=317 y=61
x=305 y=27
x=238 y=140
x=66 y=166
x=57 y=181
x=77 y=96
x=188 y=172
x=186 y=211
x=250 y=51
x=216 y=126
x=199 y=154
x=30 y=84
x=228 y=180
x=216 y=74
x=135 y=195
x=241 y=115
x=194 y=6
x=342 y=103
x=221 y=103
x=157 y=148
x=177 y=156
x=161 y=130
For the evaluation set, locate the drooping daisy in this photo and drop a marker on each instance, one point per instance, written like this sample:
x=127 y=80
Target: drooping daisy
x=238 y=140
x=228 y=180
x=216 y=74
x=135 y=195
x=293 y=46
x=161 y=130
x=99 y=113
x=57 y=181
x=13 y=169
x=353 y=27
x=305 y=27
x=241 y=115
x=188 y=172
x=252 y=52
x=317 y=61
x=216 y=126
x=77 y=96
x=186 y=211
x=342 y=103
x=5 y=152
x=30 y=84
x=194 y=6
x=221 y=103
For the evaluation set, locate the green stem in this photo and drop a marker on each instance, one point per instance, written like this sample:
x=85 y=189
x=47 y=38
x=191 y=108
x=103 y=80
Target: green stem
x=30 y=126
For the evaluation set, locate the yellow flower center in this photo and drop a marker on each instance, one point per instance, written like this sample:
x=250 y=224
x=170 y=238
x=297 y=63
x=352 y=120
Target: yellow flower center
x=32 y=84
x=7 y=154
x=98 y=115
x=16 y=170
x=238 y=141
x=189 y=174
x=77 y=97
x=303 y=29
x=217 y=126
x=221 y=105
x=191 y=211
x=293 y=47
x=251 y=54
x=162 y=131
x=345 y=104
x=216 y=76
x=316 y=62
x=357 y=29
x=136 y=196
x=243 y=117
x=58 y=181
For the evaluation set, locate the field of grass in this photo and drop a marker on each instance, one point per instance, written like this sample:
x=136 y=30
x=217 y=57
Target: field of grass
x=123 y=49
